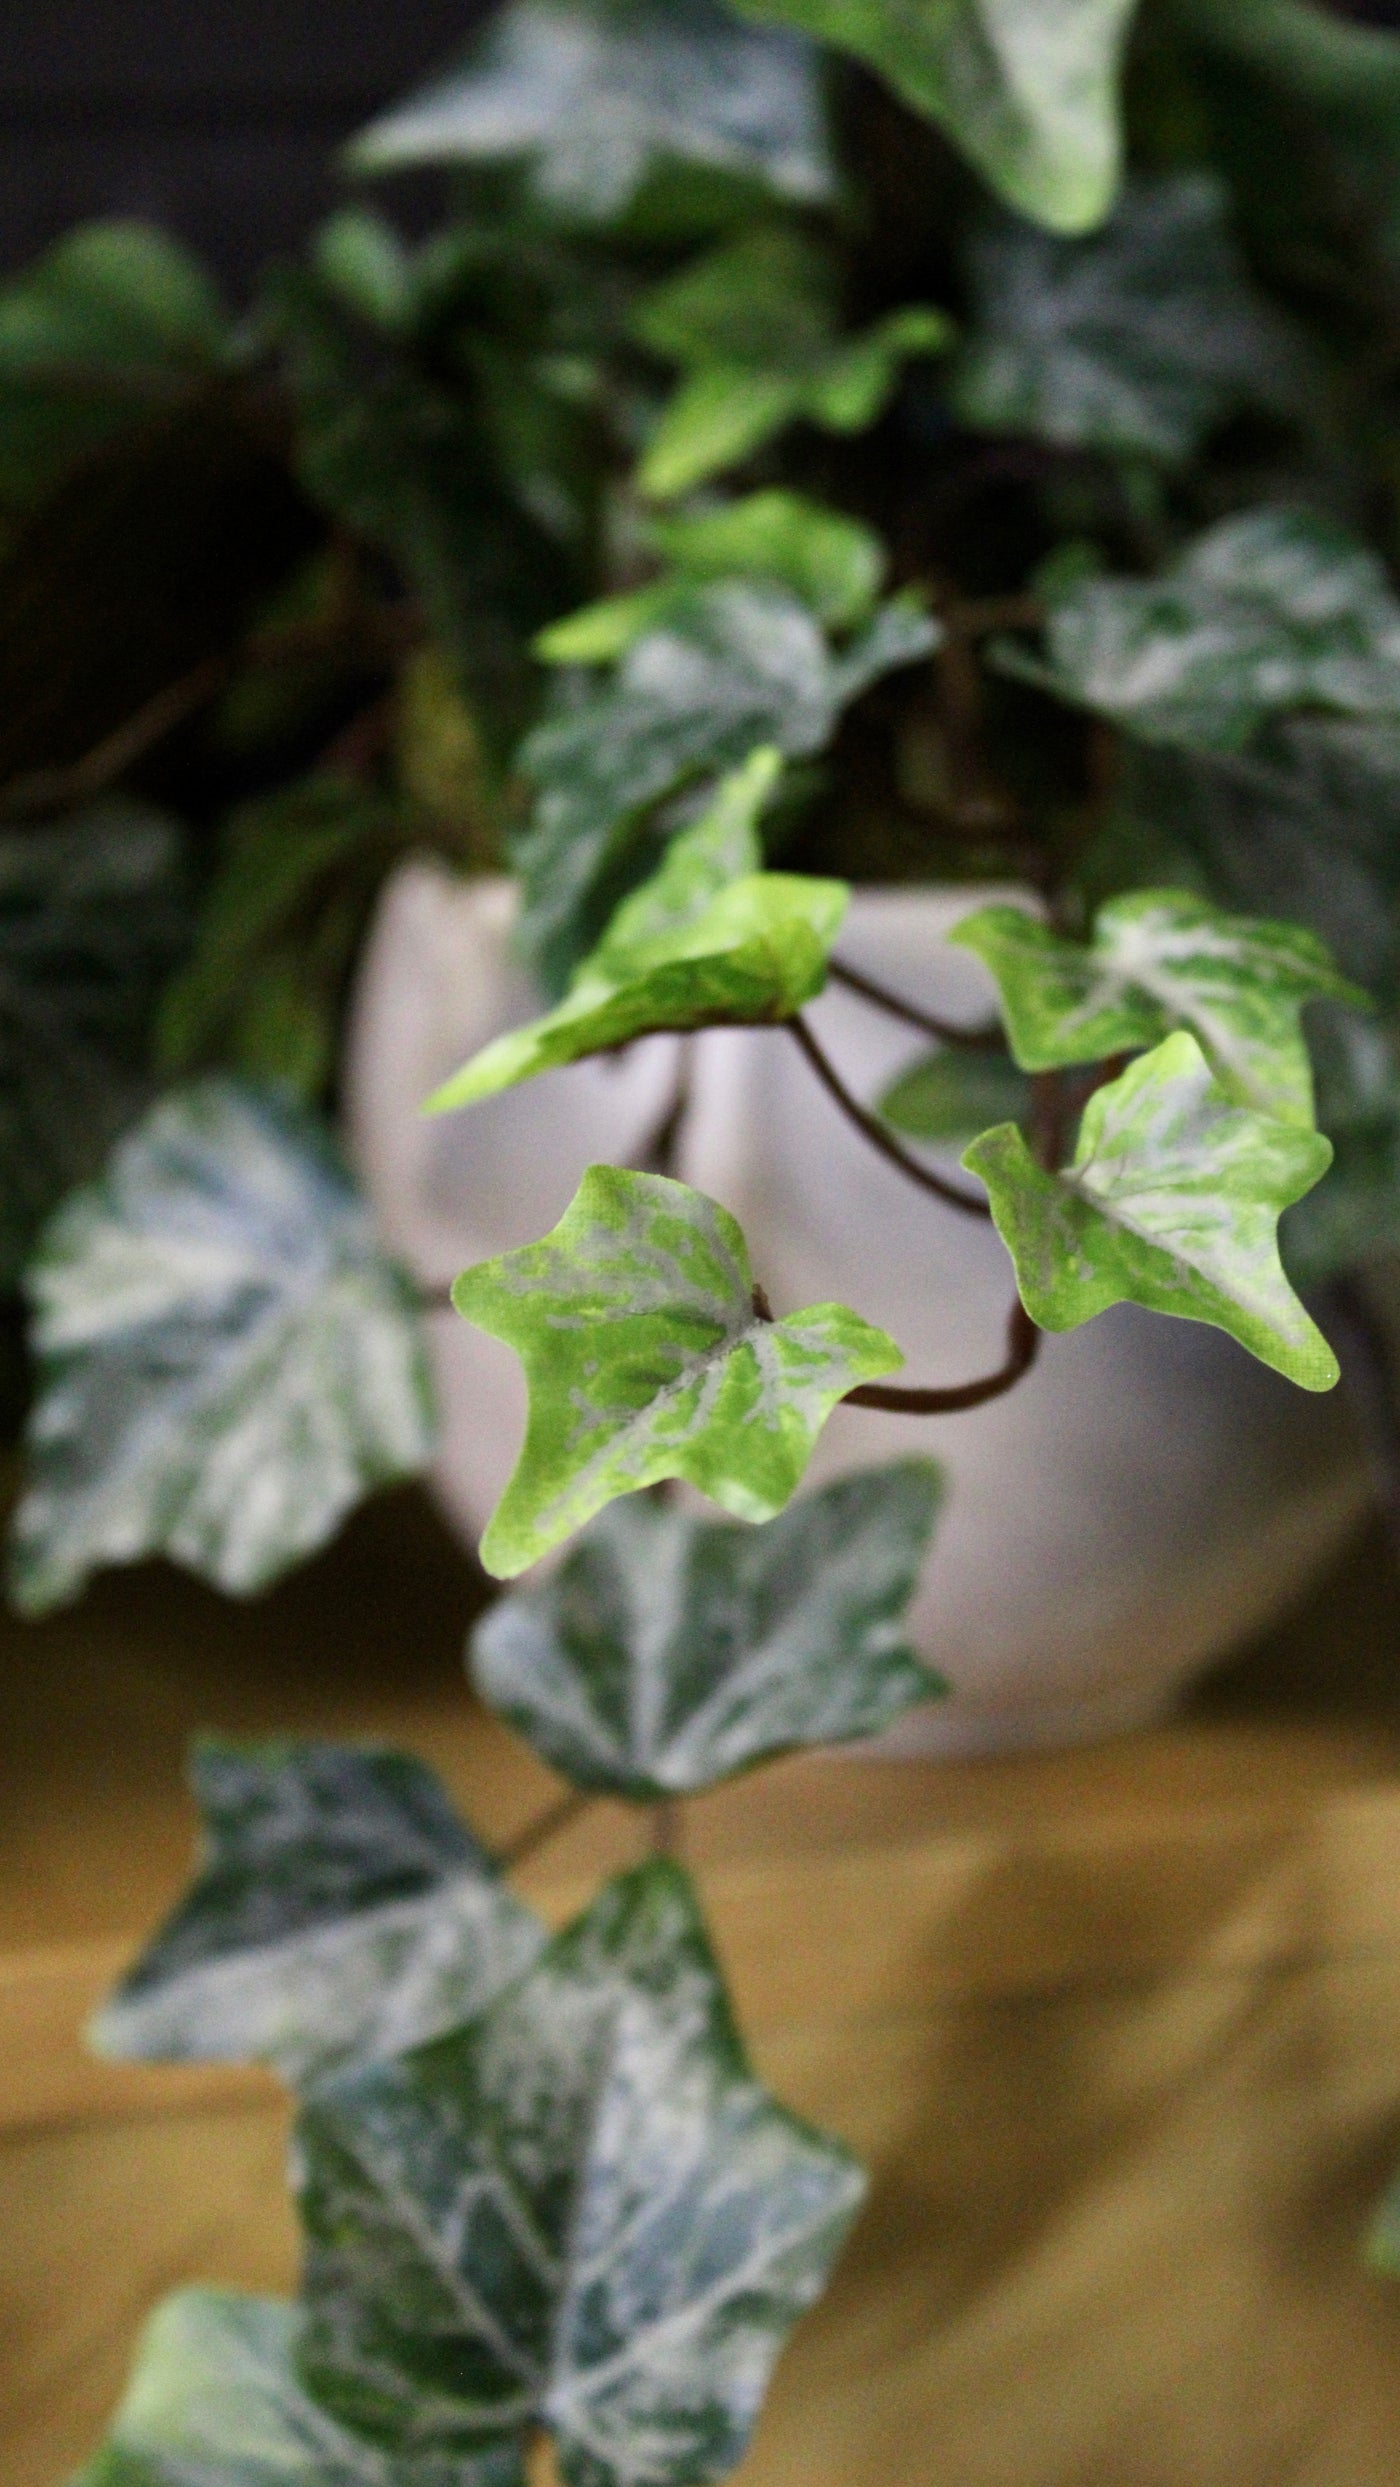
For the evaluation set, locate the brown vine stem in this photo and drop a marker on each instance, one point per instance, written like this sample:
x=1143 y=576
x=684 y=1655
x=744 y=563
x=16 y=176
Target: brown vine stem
x=879 y=1137
x=544 y=1827
x=1022 y=1348
x=944 y=1031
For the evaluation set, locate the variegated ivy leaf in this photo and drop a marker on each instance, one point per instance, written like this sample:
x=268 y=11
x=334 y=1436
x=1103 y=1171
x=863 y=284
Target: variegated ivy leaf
x=645 y=1357
x=953 y=1094
x=755 y=326
x=1027 y=88
x=1172 y=1201
x=596 y=94
x=227 y=1363
x=1273 y=611
x=667 y=1652
x=739 y=663
x=583 y=2212
x=694 y=947
x=216 y=2401
x=1138 y=339
x=341 y=1910
x=832 y=562
x=1159 y=960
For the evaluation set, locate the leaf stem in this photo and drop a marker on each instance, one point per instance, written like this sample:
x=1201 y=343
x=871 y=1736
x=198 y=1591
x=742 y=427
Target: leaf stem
x=944 y=1031
x=1022 y=1348
x=873 y=1130
x=537 y=1833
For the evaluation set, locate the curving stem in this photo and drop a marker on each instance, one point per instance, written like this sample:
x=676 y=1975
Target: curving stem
x=943 y=1031
x=880 y=1137
x=1022 y=1348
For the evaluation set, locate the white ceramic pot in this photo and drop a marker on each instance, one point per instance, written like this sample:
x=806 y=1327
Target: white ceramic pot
x=1146 y=1498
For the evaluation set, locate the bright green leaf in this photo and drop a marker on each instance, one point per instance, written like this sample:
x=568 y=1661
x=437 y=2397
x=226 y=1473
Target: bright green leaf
x=1027 y=88
x=955 y=1093
x=739 y=663
x=341 y=1910
x=755 y=324
x=227 y=1363
x=692 y=948
x=1172 y=1201
x=1138 y=339
x=584 y=2211
x=216 y=2401
x=92 y=916
x=667 y=1653
x=645 y=1358
x=600 y=93
x=1160 y=960
x=1273 y=611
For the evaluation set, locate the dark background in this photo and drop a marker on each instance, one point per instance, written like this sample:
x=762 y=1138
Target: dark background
x=216 y=117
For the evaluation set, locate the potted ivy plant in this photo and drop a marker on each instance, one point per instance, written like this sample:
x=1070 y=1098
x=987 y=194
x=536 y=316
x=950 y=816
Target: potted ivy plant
x=800 y=458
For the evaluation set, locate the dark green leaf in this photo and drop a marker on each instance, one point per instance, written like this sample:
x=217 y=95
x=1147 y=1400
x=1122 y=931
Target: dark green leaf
x=227 y=1363
x=667 y=1653
x=111 y=324
x=953 y=1095
x=263 y=989
x=1353 y=1216
x=740 y=663
x=599 y=93
x=696 y=946
x=645 y=1358
x=1139 y=339
x=755 y=325
x=1028 y=91
x=583 y=2211
x=1273 y=611
x=1172 y=1200
x=1158 y=960
x=341 y=1911
x=216 y=2401
x=92 y=915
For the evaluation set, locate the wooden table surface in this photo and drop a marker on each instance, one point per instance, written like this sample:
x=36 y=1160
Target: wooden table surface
x=1118 y=2032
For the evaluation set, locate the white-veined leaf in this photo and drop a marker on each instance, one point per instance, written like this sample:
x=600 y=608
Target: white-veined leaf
x=1172 y=1200
x=1158 y=960
x=645 y=1357
x=227 y=1363
x=341 y=1910
x=667 y=1652
x=583 y=2211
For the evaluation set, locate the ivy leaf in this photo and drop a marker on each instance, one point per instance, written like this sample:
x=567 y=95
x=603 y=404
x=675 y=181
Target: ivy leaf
x=741 y=662
x=226 y=1361
x=216 y=2401
x=1138 y=339
x=667 y=1653
x=1028 y=91
x=952 y=1095
x=754 y=323
x=583 y=2211
x=690 y=949
x=112 y=324
x=1272 y=611
x=600 y=93
x=1159 y=960
x=634 y=1320
x=1353 y=1216
x=92 y=917
x=341 y=1911
x=1172 y=1201
x=833 y=563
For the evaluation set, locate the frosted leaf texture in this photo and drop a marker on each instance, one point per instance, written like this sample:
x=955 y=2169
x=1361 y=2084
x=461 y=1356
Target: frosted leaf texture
x=583 y=2212
x=1172 y=1200
x=646 y=1358
x=340 y=1910
x=227 y=1362
x=667 y=1652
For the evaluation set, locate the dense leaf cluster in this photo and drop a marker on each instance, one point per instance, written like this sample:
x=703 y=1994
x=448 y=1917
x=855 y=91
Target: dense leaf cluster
x=821 y=441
